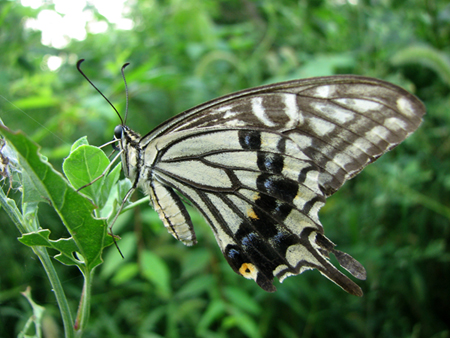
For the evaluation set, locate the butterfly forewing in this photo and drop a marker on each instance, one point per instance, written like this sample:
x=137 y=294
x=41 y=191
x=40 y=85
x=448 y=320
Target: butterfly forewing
x=259 y=164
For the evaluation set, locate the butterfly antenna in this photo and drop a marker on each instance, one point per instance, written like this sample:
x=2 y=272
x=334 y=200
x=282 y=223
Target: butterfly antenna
x=126 y=89
x=84 y=75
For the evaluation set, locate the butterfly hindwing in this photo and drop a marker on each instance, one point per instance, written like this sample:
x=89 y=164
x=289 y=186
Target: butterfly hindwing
x=259 y=194
x=172 y=212
x=259 y=164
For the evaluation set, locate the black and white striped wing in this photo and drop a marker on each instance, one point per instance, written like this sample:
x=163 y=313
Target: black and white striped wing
x=259 y=164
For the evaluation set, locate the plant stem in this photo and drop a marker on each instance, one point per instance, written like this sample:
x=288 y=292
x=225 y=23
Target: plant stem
x=85 y=303
x=63 y=305
x=18 y=219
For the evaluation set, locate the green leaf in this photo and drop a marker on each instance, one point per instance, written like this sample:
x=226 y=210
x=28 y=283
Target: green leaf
x=30 y=211
x=109 y=190
x=214 y=311
x=36 y=102
x=242 y=300
x=66 y=246
x=156 y=271
x=33 y=190
x=84 y=165
x=244 y=322
x=81 y=141
x=36 y=318
x=74 y=210
x=125 y=273
x=428 y=57
x=196 y=286
x=11 y=209
x=196 y=262
x=112 y=261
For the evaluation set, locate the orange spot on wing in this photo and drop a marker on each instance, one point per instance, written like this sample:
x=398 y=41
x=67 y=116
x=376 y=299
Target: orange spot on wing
x=248 y=270
x=251 y=214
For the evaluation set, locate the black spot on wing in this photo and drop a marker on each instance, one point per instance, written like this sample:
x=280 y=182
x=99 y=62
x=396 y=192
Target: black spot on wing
x=263 y=237
x=304 y=172
x=262 y=240
x=248 y=236
x=250 y=139
x=236 y=257
x=278 y=209
x=272 y=163
x=277 y=186
x=281 y=146
x=308 y=205
x=270 y=227
x=255 y=241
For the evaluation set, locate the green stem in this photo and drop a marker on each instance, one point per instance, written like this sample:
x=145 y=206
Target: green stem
x=14 y=213
x=145 y=200
x=85 y=303
x=63 y=305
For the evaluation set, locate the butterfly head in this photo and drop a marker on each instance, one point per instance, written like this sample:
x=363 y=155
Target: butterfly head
x=118 y=131
x=128 y=145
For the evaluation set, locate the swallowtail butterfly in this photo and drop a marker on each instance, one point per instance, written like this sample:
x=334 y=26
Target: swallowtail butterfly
x=260 y=163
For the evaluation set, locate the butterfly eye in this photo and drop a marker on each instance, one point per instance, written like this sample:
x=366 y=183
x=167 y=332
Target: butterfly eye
x=118 y=132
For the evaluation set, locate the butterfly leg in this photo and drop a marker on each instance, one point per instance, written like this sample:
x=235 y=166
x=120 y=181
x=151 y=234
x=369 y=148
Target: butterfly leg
x=108 y=168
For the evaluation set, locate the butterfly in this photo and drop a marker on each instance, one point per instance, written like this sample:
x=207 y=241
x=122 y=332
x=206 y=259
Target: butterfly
x=259 y=164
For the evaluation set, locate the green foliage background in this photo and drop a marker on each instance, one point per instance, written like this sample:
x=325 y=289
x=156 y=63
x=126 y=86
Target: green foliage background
x=394 y=217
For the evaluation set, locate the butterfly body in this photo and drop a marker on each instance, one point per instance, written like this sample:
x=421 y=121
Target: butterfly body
x=260 y=163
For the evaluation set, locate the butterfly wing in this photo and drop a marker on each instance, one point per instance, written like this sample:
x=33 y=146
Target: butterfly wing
x=259 y=164
x=341 y=122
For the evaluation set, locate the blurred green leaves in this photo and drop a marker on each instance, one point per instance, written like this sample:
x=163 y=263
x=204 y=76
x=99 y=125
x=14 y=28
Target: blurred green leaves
x=428 y=57
x=393 y=217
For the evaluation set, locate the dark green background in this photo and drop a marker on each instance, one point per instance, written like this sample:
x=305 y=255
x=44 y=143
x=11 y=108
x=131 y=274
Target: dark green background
x=394 y=217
